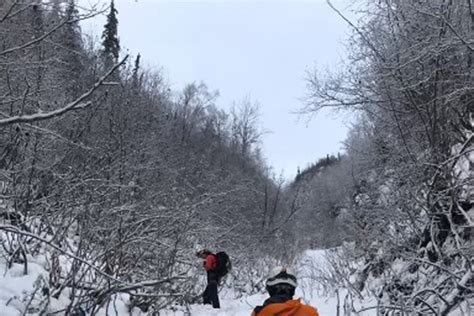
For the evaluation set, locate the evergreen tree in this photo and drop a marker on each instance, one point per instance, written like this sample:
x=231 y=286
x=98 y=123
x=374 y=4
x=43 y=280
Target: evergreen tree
x=135 y=73
x=110 y=41
x=37 y=26
x=73 y=55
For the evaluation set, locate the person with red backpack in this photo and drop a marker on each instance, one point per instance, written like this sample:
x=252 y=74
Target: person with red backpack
x=281 y=286
x=216 y=266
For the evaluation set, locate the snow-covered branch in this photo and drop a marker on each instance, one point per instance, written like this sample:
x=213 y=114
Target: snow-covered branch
x=135 y=286
x=15 y=230
x=79 y=103
x=9 y=12
x=455 y=297
x=44 y=35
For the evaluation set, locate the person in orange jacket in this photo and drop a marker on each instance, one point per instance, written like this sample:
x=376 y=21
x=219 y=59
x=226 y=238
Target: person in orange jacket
x=281 y=286
x=210 y=263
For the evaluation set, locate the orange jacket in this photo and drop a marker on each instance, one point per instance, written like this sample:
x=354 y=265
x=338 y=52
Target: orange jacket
x=289 y=308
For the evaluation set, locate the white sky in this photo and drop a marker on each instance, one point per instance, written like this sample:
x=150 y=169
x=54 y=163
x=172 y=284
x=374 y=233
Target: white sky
x=257 y=48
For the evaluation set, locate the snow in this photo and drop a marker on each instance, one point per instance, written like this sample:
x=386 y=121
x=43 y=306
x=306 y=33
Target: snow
x=463 y=171
x=309 y=291
x=244 y=306
x=16 y=289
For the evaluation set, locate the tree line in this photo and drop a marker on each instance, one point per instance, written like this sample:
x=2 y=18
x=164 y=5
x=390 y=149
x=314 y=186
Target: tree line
x=103 y=166
x=399 y=201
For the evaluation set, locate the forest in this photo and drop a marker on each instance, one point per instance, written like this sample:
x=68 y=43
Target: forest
x=113 y=180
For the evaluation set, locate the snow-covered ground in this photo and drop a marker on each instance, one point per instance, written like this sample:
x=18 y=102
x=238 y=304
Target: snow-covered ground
x=309 y=291
x=244 y=306
x=16 y=289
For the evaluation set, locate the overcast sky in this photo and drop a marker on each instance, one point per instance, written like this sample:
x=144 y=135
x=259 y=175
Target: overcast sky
x=257 y=48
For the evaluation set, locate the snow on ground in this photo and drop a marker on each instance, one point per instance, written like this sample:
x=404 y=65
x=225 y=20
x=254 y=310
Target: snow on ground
x=16 y=289
x=309 y=291
x=244 y=306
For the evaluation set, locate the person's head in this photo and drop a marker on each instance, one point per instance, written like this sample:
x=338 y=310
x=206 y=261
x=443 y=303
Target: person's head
x=203 y=253
x=281 y=282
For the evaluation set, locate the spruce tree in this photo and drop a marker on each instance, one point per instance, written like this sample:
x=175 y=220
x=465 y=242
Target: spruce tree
x=38 y=29
x=73 y=55
x=110 y=41
x=136 y=70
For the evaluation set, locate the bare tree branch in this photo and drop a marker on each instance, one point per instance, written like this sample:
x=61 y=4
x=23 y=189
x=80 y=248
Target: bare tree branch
x=9 y=14
x=45 y=35
x=76 y=104
x=361 y=34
